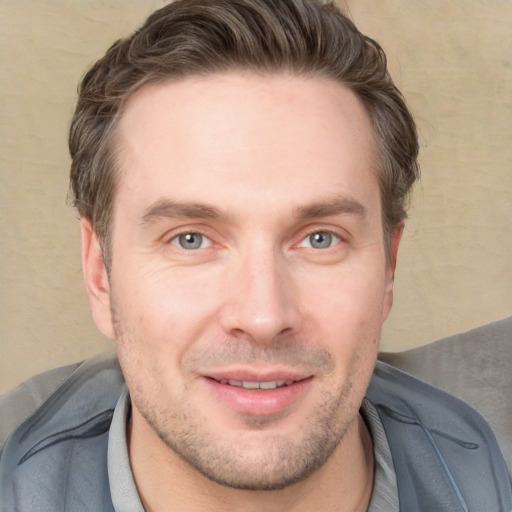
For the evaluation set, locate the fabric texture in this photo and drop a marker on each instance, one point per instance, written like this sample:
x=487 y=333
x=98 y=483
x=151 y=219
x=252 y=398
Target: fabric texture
x=24 y=399
x=125 y=497
x=385 y=487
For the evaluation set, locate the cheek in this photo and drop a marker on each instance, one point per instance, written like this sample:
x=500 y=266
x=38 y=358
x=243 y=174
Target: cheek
x=163 y=312
x=348 y=319
x=352 y=297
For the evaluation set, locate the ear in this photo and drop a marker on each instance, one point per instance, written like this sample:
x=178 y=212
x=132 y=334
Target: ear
x=396 y=236
x=96 y=280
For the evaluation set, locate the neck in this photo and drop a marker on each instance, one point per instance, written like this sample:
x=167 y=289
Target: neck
x=167 y=483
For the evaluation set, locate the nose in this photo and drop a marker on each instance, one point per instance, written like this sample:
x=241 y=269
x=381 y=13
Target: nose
x=260 y=300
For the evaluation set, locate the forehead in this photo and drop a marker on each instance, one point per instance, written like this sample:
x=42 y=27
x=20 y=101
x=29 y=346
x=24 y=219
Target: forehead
x=278 y=138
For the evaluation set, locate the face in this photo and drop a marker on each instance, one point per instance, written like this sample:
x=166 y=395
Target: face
x=249 y=281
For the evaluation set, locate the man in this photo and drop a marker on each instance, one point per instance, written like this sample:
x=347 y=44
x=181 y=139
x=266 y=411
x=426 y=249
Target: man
x=241 y=169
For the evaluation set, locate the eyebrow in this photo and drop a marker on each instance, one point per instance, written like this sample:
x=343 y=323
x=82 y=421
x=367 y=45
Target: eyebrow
x=165 y=208
x=336 y=206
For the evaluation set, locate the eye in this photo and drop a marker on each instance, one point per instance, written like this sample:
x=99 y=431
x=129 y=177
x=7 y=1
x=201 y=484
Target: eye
x=191 y=241
x=320 y=240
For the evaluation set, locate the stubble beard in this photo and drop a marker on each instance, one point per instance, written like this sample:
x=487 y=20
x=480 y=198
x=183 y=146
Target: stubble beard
x=240 y=463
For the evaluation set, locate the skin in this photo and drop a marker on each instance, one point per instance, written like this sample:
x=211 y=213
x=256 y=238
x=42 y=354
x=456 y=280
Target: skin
x=259 y=168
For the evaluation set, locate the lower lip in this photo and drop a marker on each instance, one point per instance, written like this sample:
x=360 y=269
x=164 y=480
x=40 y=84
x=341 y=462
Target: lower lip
x=259 y=402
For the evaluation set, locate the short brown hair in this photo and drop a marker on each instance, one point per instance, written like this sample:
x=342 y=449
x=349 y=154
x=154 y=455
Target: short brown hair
x=205 y=36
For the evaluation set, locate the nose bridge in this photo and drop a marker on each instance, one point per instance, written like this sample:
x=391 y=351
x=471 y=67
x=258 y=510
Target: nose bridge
x=262 y=305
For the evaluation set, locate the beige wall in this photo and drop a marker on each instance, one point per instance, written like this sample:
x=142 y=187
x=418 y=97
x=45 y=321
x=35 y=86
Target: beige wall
x=453 y=61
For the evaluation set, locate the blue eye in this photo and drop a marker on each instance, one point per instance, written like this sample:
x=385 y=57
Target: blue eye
x=191 y=241
x=320 y=240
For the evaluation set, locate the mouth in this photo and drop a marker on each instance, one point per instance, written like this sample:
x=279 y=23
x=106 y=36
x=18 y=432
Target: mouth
x=254 y=385
x=258 y=396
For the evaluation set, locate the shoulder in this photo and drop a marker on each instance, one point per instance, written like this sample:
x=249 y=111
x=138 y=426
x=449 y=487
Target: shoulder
x=473 y=366
x=22 y=402
x=59 y=445
x=441 y=447
x=18 y=404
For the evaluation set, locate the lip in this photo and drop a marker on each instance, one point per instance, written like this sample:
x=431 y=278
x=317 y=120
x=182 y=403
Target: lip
x=257 y=402
x=252 y=375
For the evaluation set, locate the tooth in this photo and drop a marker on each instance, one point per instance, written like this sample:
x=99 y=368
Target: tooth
x=272 y=384
x=251 y=385
x=269 y=385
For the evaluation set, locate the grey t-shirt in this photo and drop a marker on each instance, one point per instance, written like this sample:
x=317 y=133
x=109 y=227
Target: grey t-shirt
x=123 y=491
x=126 y=498
x=385 y=490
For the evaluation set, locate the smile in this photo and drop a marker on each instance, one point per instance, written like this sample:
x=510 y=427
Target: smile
x=264 y=396
x=272 y=384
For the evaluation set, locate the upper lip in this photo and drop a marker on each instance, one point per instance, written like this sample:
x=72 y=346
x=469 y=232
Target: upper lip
x=252 y=375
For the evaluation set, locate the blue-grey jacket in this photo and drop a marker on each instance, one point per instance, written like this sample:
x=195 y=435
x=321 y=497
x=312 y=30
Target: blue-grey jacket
x=446 y=458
